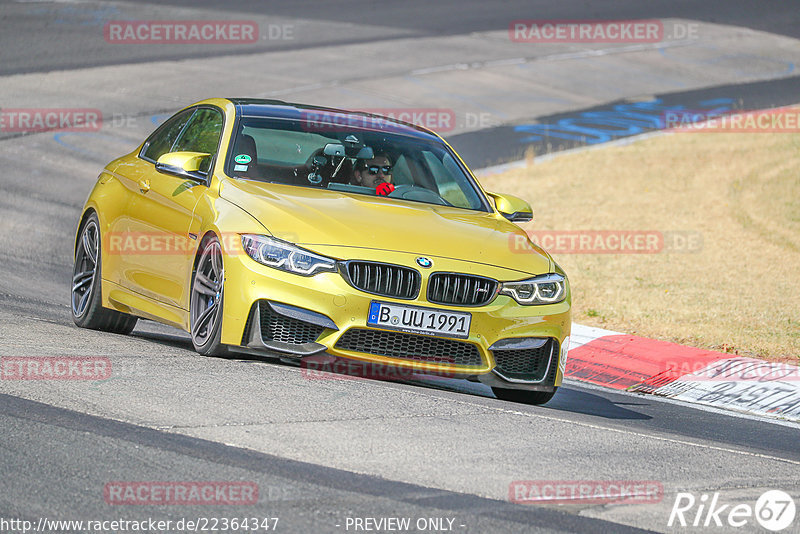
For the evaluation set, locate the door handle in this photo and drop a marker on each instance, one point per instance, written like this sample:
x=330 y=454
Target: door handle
x=144 y=185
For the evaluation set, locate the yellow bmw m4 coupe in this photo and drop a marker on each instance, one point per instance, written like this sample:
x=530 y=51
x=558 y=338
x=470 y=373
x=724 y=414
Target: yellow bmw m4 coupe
x=301 y=232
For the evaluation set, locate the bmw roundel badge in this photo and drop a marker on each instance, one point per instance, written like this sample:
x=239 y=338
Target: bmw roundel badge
x=422 y=261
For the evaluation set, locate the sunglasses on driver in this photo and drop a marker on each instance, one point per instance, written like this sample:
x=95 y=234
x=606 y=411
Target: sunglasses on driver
x=373 y=169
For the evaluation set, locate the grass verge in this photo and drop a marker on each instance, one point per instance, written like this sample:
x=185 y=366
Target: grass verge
x=739 y=193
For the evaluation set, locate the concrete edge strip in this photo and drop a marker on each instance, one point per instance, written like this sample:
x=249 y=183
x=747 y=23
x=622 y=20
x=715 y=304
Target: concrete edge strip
x=642 y=365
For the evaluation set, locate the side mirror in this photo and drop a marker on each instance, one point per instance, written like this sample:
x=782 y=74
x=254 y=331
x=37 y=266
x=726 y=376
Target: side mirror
x=512 y=208
x=183 y=164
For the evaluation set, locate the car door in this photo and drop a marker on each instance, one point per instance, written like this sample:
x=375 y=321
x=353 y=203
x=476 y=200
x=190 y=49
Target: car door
x=162 y=212
x=122 y=262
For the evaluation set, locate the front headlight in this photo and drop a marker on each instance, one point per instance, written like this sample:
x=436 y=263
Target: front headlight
x=285 y=256
x=544 y=289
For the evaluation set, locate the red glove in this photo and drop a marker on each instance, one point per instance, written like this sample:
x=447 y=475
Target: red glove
x=384 y=189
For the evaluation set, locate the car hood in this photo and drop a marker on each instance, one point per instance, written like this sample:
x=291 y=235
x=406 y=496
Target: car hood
x=309 y=217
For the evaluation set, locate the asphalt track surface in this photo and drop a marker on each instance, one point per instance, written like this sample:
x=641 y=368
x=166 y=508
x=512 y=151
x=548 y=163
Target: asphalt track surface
x=325 y=450
x=44 y=38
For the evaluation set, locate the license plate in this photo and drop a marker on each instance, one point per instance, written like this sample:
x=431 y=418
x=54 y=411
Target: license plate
x=419 y=320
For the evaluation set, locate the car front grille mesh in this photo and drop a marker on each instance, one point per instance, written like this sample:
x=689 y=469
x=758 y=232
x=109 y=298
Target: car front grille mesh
x=460 y=289
x=384 y=279
x=277 y=327
x=409 y=347
x=528 y=364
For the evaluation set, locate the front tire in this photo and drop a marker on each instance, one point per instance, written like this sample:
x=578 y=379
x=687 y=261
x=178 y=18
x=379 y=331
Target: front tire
x=205 y=306
x=524 y=397
x=87 y=301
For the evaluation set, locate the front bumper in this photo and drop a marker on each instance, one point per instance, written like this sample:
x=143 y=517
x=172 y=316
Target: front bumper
x=327 y=315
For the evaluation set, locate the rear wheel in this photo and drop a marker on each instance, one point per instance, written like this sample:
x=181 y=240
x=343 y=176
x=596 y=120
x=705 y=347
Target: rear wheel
x=87 y=307
x=206 y=302
x=523 y=396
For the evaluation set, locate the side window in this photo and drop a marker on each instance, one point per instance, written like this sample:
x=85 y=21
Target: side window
x=401 y=174
x=162 y=140
x=201 y=134
x=450 y=181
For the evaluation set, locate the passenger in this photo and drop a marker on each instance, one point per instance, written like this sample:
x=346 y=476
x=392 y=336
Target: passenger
x=375 y=172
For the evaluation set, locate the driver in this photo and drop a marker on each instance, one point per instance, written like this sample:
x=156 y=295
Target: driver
x=375 y=172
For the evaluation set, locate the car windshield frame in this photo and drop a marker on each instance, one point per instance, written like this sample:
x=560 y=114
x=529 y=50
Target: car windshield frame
x=394 y=128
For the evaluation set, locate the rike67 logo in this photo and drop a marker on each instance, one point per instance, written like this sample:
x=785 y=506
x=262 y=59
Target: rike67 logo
x=774 y=510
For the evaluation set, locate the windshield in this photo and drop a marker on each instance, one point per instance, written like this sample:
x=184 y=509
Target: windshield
x=351 y=159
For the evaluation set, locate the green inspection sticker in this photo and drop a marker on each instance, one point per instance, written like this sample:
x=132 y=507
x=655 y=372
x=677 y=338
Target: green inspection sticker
x=244 y=159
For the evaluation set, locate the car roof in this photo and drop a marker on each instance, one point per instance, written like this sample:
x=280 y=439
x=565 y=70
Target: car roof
x=254 y=107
